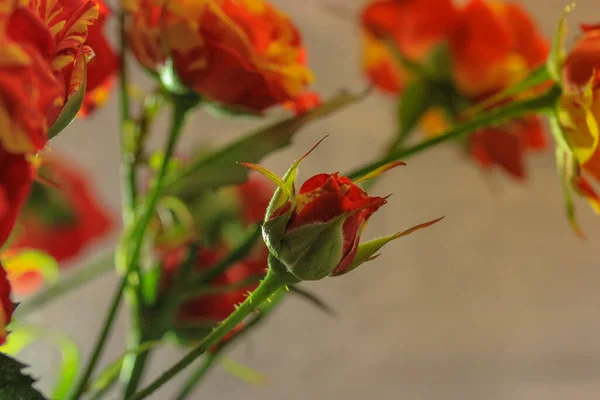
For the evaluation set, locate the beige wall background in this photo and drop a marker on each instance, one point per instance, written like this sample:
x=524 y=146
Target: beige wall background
x=498 y=301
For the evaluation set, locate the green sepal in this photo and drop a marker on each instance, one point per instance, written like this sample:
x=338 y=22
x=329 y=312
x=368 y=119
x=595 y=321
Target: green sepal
x=312 y=252
x=418 y=97
x=367 y=251
x=273 y=230
x=14 y=384
x=438 y=64
x=72 y=106
x=557 y=51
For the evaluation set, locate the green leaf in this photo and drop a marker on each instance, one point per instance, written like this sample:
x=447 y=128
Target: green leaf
x=535 y=78
x=14 y=384
x=557 y=52
x=23 y=334
x=220 y=167
x=243 y=372
x=71 y=108
x=367 y=251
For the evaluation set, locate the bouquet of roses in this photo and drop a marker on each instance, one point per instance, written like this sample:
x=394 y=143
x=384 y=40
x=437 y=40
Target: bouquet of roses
x=211 y=241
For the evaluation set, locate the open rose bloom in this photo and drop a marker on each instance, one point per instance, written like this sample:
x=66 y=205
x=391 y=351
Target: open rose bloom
x=490 y=46
x=579 y=112
x=245 y=55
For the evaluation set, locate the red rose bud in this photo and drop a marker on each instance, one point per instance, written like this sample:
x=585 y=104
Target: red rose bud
x=316 y=232
x=6 y=305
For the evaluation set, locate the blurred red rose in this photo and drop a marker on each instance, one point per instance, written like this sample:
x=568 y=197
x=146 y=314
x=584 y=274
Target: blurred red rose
x=492 y=46
x=414 y=26
x=244 y=54
x=60 y=221
x=212 y=308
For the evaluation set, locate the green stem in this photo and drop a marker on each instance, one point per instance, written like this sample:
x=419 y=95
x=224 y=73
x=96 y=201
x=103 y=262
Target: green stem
x=80 y=278
x=268 y=287
x=100 y=342
x=264 y=310
x=194 y=380
x=508 y=112
x=128 y=170
x=135 y=371
x=134 y=364
x=137 y=238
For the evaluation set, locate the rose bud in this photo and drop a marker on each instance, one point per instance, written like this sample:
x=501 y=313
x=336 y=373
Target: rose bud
x=316 y=232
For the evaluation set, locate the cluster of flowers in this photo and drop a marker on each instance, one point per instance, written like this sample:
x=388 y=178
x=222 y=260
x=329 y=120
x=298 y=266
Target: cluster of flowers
x=244 y=57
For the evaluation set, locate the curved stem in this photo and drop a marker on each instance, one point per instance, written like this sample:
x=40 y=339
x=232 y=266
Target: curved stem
x=137 y=238
x=508 y=112
x=134 y=364
x=209 y=360
x=128 y=170
x=100 y=342
x=192 y=382
x=268 y=287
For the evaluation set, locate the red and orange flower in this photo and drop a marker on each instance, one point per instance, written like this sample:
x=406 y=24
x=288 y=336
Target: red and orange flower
x=6 y=305
x=41 y=45
x=244 y=54
x=16 y=175
x=491 y=46
x=209 y=309
x=102 y=67
x=60 y=220
x=579 y=110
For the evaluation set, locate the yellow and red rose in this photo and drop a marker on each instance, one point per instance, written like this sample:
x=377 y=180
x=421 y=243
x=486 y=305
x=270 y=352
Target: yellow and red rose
x=244 y=54
x=42 y=52
x=491 y=47
x=101 y=69
x=579 y=110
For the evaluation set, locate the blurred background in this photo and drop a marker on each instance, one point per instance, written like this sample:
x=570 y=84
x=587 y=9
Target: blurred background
x=498 y=301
